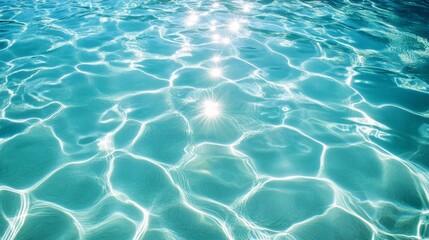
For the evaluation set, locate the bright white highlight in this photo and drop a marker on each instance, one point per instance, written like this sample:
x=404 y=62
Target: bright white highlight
x=192 y=19
x=105 y=144
x=215 y=72
x=211 y=109
x=216 y=37
x=226 y=40
x=216 y=58
x=247 y=8
x=234 y=26
x=186 y=46
x=216 y=5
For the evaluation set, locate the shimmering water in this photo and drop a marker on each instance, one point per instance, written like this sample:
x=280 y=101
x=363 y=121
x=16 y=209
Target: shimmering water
x=214 y=120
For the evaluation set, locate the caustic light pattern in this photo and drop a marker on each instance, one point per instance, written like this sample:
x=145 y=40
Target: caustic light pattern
x=267 y=119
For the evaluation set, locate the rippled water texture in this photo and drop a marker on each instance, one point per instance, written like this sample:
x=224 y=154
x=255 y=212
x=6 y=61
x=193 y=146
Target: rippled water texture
x=289 y=120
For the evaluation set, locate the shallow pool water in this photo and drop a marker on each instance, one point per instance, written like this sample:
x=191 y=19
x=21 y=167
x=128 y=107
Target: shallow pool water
x=292 y=120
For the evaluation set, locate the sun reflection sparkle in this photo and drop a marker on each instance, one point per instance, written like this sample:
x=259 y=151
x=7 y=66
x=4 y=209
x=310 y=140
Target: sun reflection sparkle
x=215 y=72
x=192 y=19
x=247 y=7
x=226 y=40
x=216 y=58
x=213 y=28
x=211 y=109
x=234 y=26
x=216 y=37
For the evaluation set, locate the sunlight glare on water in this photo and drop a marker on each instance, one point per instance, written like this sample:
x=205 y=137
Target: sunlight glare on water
x=211 y=109
x=160 y=119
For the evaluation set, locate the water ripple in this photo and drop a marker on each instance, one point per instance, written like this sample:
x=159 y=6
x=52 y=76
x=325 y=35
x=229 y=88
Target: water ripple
x=214 y=120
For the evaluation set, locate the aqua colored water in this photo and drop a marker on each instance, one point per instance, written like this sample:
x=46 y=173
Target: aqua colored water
x=267 y=119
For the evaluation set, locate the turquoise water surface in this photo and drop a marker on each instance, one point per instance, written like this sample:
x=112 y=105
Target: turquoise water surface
x=287 y=120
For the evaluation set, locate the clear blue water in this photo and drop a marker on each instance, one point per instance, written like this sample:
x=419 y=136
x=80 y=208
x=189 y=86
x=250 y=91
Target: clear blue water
x=214 y=120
